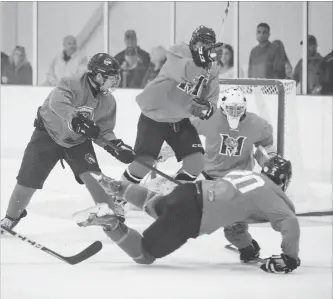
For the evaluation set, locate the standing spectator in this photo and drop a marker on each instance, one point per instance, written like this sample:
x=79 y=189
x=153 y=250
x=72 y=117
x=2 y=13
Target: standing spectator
x=287 y=71
x=131 y=41
x=225 y=63
x=69 y=63
x=4 y=60
x=133 y=69
x=265 y=61
x=325 y=75
x=314 y=62
x=157 y=60
x=18 y=71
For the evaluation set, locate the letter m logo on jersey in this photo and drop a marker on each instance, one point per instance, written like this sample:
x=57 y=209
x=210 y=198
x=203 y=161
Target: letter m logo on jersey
x=192 y=89
x=231 y=146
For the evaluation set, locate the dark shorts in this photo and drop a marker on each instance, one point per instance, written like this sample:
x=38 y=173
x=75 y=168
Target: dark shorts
x=181 y=136
x=179 y=219
x=42 y=154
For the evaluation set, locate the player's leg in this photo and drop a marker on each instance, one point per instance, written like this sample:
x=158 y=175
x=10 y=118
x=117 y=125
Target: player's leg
x=149 y=141
x=83 y=162
x=179 y=219
x=187 y=146
x=40 y=156
x=238 y=235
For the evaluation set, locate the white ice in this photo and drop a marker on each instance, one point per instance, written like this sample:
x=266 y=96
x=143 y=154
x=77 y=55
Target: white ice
x=200 y=269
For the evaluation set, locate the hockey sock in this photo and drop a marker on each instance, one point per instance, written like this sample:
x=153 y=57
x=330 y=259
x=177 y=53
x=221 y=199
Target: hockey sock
x=130 y=241
x=127 y=176
x=19 y=200
x=95 y=189
x=193 y=165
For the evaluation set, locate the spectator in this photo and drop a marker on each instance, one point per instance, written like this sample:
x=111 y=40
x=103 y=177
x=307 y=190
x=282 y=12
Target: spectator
x=133 y=69
x=157 y=60
x=287 y=71
x=314 y=62
x=131 y=41
x=225 y=63
x=4 y=60
x=325 y=75
x=69 y=63
x=265 y=61
x=18 y=71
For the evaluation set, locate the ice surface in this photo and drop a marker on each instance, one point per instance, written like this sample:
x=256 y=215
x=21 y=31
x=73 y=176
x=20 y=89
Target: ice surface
x=200 y=269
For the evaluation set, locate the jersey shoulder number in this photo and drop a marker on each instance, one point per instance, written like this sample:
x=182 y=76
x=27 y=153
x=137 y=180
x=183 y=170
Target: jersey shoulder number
x=244 y=181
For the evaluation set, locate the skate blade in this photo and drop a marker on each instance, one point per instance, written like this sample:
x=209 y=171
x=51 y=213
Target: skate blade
x=83 y=218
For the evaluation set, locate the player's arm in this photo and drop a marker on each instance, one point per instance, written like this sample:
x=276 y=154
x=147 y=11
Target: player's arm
x=107 y=125
x=108 y=140
x=283 y=220
x=265 y=147
x=178 y=67
x=60 y=101
x=211 y=93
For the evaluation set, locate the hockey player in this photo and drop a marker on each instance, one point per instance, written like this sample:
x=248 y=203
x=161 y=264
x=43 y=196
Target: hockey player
x=193 y=209
x=231 y=133
x=170 y=99
x=77 y=110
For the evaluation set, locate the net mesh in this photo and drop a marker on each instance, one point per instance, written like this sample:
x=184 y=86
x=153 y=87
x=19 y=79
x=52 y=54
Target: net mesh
x=311 y=186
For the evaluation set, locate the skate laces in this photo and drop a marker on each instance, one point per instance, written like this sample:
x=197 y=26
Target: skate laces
x=7 y=223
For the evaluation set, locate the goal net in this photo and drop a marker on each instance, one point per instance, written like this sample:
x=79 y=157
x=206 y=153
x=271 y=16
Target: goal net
x=296 y=125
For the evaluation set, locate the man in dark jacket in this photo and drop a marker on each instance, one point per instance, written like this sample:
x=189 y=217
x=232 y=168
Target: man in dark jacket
x=132 y=42
x=4 y=60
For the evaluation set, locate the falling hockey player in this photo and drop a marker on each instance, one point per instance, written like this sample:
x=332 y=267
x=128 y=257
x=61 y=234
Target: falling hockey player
x=193 y=209
x=167 y=103
x=231 y=133
x=77 y=110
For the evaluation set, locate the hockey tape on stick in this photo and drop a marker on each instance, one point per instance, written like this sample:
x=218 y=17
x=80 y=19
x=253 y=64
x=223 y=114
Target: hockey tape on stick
x=88 y=252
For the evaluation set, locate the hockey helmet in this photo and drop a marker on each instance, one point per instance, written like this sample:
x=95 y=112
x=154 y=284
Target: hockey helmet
x=203 y=34
x=279 y=170
x=233 y=105
x=108 y=67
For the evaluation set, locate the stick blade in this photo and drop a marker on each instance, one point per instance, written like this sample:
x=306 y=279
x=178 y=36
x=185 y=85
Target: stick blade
x=85 y=254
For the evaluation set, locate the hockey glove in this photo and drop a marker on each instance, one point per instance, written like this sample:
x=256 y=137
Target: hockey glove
x=280 y=264
x=84 y=126
x=125 y=154
x=201 y=108
x=204 y=56
x=250 y=252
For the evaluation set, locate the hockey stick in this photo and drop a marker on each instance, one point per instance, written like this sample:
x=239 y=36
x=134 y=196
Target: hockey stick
x=143 y=163
x=72 y=260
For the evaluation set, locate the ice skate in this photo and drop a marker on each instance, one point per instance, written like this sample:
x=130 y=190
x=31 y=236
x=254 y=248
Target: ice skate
x=121 y=207
x=10 y=223
x=99 y=215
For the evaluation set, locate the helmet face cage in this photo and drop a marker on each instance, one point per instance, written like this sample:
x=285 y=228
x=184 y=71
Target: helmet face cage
x=110 y=84
x=279 y=171
x=233 y=105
